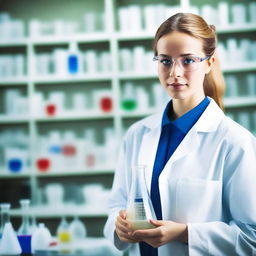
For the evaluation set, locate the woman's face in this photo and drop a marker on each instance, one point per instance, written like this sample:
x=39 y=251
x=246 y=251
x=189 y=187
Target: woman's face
x=180 y=82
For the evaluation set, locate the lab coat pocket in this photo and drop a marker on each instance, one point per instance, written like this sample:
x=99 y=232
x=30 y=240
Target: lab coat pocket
x=198 y=200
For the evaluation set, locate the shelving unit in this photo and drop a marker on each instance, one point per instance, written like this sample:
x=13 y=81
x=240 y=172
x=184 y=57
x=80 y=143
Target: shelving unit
x=113 y=40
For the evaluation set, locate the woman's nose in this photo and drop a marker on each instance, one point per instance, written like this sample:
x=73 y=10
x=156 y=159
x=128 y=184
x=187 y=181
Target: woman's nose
x=175 y=70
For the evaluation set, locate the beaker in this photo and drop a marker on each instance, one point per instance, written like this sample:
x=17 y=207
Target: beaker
x=140 y=209
x=24 y=232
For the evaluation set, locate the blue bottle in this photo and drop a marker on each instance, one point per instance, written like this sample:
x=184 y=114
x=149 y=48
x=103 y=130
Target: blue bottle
x=73 y=59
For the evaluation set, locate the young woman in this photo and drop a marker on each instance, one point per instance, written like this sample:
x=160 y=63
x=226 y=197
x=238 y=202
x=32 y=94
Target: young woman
x=201 y=164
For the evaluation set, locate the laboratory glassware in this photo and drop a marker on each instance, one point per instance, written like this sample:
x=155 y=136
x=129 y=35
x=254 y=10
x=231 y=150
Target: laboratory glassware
x=140 y=209
x=9 y=244
x=24 y=232
x=5 y=216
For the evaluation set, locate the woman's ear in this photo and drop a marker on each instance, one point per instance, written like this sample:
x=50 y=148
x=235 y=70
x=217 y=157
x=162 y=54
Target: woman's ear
x=209 y=64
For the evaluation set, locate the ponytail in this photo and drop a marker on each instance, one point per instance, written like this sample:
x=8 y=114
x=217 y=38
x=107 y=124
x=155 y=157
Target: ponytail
x=214 y=84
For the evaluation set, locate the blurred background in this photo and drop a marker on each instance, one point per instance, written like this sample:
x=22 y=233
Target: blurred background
x=74 y=75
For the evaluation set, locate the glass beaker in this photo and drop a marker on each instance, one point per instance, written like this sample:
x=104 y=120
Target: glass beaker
x=140 y=209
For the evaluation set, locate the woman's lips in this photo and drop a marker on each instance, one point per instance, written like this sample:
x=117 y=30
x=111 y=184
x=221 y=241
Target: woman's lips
x=176 y=86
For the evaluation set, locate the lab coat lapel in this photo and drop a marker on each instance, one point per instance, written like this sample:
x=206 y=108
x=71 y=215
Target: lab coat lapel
x=187 y=145
x=208 y=122
x=147 y=152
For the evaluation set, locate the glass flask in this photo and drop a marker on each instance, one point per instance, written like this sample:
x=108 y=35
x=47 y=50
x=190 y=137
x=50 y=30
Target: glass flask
x=140 y=209
x=24 y=232
x=25 y=225
x=9 y=244
x=5 y=216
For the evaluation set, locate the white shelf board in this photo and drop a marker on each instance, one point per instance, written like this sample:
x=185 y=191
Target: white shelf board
x=57 y=211
x=138 y=35
x=14 y=81
x=84 y=172
x=137 y=114
x=135 y=76
x=240 y=101
x=235 y=28
x=7 y=175
x=72 y=78
x=14 y=42
x=78 y=37
x=13 y=119
x=88 y=115
x=242 y=67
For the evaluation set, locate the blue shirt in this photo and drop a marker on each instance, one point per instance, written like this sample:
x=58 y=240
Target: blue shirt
x=172 y=133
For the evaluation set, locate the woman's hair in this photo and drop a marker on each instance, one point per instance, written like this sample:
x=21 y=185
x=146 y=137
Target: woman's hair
x=197 y=27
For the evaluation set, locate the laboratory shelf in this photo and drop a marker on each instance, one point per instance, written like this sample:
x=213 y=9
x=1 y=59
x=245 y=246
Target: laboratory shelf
x=137 y=76
x=14 y=43
x=137 y=114
x=241 y=28
x=72 y=78
x=13 y=119
x=83 y=172
x=142 y=35
x=239 y=101
x=68 y=210
x=38 y=53
x=93 y=115
x=8 y=175
x=242 y=67
x=78 y=37
x=21 y=81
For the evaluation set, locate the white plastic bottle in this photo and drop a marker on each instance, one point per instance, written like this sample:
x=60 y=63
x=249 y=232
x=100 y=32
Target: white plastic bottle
x=41 y=238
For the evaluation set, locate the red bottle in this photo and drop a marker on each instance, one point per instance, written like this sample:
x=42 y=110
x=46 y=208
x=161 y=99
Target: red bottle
x=106 y=104
x=50 y=109
x=43 y=164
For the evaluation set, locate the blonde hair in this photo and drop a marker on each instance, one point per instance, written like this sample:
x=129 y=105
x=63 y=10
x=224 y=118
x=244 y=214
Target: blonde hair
x=194 y=25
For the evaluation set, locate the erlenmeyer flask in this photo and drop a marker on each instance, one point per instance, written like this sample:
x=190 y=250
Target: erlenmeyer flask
x=24 y=232
x=140 y=209
x=9 y=244
x=5 y=216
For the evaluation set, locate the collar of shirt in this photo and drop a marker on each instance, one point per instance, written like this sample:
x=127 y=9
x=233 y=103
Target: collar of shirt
x=186 y=121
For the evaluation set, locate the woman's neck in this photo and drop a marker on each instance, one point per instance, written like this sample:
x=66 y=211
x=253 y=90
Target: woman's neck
x=182 y=106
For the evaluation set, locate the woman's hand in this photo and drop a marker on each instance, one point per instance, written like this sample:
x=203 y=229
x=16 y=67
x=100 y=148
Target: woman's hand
x=124 y=229
x=165 y=232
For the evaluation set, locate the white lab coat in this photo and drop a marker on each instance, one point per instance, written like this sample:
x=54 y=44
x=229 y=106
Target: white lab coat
x=209 y=183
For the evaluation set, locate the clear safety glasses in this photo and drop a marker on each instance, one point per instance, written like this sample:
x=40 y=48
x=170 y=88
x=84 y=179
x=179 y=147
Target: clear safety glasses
x=188 y=63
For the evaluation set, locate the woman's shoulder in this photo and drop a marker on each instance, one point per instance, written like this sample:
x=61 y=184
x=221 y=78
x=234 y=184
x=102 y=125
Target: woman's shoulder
x=236 y=133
